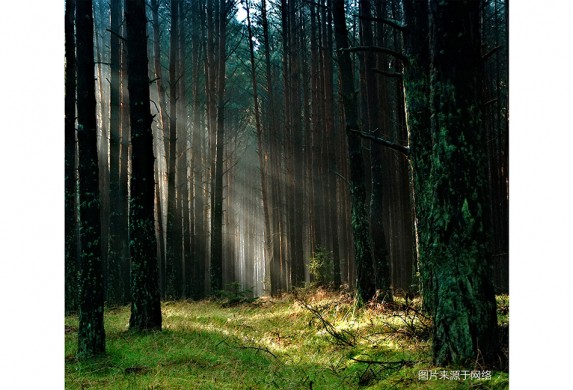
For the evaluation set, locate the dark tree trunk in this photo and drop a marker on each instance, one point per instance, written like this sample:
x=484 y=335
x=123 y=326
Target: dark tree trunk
x=116 y=291
x=123 y=198
x=465 y=321
x=217 y=206
x=173 y=258
x=91 y=334
x=417 y=92
x=145 y=304
x=377 y=233
x=360 y=226
x=71 y=222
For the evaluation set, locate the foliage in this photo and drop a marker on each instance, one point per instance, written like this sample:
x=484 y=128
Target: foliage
x=320 y=267
x=270 y=344
x=233 y=295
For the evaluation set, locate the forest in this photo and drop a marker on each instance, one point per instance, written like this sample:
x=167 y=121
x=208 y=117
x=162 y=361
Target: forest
x=286 y=194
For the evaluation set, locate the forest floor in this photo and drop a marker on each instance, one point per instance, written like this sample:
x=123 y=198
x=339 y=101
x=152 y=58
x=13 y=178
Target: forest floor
x=316 y=340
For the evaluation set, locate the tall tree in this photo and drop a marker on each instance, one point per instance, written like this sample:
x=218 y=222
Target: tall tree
x=360 y=226
x=116 y=291
x=145 y=304
x=217 y=206
x=173 y=258
x=263 y=167
x=71 y=225
x=465 y=321
x=91 y=334
x=454 y=225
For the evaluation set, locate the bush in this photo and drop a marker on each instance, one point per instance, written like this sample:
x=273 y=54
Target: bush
x=233 y=295
x=320 y=267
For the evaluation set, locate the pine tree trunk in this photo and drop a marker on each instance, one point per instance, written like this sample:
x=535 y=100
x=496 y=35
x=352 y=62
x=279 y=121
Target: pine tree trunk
x=91 y=334
x=217 y=206
x=360 y=226
x=71 y=222
x=465 y=321
x=115 y=288
x=145 y=304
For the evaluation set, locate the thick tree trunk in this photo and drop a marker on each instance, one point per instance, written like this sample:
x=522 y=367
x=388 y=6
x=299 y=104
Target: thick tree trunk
x=465 y=321
x=91 y=334
x=360 y=226
x=145 y=304
x=71 y=222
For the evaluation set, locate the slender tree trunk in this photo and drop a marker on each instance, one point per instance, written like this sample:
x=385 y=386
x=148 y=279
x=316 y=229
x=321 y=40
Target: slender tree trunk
x=217 y=206
x=145 y=304
x=71 y=221
x=360 y=226
x=263 y=156
x=115 y=288
x=91 y=334
x=71 y=166
x=173 y=258
x=123 y=197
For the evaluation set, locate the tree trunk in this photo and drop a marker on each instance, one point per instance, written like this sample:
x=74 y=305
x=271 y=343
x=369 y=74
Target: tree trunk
x=263 y=166
x=116 y=291
x=464 y=316
x=360 y=226
x=173 y=258
x=145 y=304
x=217 y=206
x=91 y=334
x=71 y=222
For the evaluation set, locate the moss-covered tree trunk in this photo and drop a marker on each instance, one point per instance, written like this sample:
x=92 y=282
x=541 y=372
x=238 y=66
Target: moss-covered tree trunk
x=71 y=228
x=145 y=304
x=465 y=324
x=360 y=226
x=91 y=334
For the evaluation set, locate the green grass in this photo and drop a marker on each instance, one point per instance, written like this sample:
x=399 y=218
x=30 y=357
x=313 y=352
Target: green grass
x=268 y=344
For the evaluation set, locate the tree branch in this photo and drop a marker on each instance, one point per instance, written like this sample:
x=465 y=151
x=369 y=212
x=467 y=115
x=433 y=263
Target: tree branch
x=490 y=53
x=116 y=34
x=397 y=75
x=376 y=49
x=390 y=22
x=405 y=150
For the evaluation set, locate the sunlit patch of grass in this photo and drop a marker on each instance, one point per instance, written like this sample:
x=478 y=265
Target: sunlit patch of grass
x=267 y=344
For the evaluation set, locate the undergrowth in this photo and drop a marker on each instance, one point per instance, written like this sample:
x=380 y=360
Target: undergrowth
x=308 y=340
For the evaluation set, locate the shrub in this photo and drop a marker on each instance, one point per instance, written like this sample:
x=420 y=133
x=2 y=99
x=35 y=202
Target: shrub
x=320 y=267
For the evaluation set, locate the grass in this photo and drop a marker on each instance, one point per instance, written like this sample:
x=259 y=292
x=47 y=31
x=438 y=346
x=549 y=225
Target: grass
x=267 y=344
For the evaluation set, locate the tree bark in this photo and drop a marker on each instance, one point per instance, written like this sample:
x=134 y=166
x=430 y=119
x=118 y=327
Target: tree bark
x=464 y=317
x=91 y=334
x=71 y=222
x=360 y=226
x=145 y=304
x=217 y=206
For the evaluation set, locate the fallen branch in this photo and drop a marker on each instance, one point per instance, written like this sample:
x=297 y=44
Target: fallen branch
x=397 y=364
x=343 y=337
x=260 y=349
